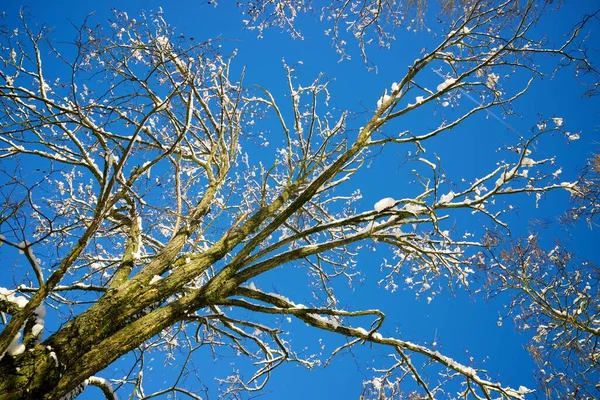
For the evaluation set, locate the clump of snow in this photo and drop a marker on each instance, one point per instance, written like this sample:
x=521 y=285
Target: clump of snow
x=155 y=279
x=569 y=187
x=15 y=348
x=328 y=320
x=501 y=179
x=377 y=336
x=362 y=331
x=37 y=329
x=446 y=198
x=448 y=82
x=53 y=356
x=557 y=121
x=384 y=204
x=466 y=30
x=395 y=87
x=556 y=173
x=8 y=295
x=524 y=390
x=162 y=41
x=492 y=80
x=106 y=387
x=383 y=99
x=527 y=162
x=413 y=208
x=377 y=383
x=573 y=136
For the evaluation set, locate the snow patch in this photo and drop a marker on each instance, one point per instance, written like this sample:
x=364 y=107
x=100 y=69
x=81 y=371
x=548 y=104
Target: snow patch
x=448 y=82
x=384 y=204
x=413 y=208
x=9 y=296
x=446 y=198
x=527 y=162
x=384 y=99
x=362 y=331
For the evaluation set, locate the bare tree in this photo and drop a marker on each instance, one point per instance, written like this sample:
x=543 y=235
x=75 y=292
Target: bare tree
x=151 y=223
x=554 y=296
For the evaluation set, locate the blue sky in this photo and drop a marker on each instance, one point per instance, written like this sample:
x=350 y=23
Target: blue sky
x=463 y=326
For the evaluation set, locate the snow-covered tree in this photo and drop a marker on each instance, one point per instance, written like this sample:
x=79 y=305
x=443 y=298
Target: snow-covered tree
x=154 y=221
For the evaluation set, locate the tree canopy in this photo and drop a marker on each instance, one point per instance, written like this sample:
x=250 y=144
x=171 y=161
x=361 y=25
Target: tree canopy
x=153 y=199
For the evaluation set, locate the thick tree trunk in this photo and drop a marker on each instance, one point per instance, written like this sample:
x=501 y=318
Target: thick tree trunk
x=112 y=327
x=54 y=368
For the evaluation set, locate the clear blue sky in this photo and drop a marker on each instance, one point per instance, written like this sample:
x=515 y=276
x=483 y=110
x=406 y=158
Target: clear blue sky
x=461 y=326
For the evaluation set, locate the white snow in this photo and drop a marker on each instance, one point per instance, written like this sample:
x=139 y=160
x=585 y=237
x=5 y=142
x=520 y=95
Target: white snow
x=557 y=121
x=280 y=297
x=377 y=383
x=97 y=381
x=15 y=348
x=362 y=331
x=492 y=80
x=37 y=329
x=445 y=84
x=377 y=336
x=8 y=295
x=527 y=162
x=413 y=208
x=163 y=41
x=384 y=204
x=574 y=136
x=524 y=390
x=557 y=173
x=426 y=161
x=501 y=179
x=446 y=198
x=466 y=30
x=20 y=301
x=53 y=356
x=155 y=279
x=395 y=87
x=569 y=187
x=383 y=99
x=40 y=312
